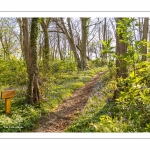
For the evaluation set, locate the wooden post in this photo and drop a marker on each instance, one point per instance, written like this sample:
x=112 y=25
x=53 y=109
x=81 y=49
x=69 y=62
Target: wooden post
x=7 y=95
x=7 y=106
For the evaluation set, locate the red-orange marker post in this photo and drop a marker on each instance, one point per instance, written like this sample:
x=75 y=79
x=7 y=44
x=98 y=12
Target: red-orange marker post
x=7 y=95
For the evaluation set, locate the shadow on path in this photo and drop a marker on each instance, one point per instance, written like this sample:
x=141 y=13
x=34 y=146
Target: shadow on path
x=69 y=110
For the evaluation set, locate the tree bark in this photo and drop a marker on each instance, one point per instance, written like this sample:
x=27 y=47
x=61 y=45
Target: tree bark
x=30 y=47
x=58 y=46
x=83 y=44
x=121 y=49
x=104 y=56
x=46 y=51
x=26 y=43
x=145 y=33
x=19 y=20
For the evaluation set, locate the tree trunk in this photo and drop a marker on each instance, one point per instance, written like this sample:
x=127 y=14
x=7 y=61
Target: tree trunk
x=21 y=36
x=83 y=44
x=26 y=43
x=104 y=56
x=5 y=42
x=58 y=46
x=145 y=33
x=46 y=51
x=69 y=35
x=121 y=49
x=140 y=29
x=30 y=47
x=72 y=44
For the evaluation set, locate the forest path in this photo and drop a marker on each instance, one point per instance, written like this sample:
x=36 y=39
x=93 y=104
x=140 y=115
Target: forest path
x=68 y=110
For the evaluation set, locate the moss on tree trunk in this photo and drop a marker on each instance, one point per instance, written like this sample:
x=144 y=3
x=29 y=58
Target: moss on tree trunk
x=33 y=93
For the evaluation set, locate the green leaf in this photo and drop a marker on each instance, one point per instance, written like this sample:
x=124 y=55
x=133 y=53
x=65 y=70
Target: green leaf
x=136 y=24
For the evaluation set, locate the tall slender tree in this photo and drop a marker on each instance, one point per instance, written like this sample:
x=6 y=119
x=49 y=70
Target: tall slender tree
x=145 y=34
x=67 y=30
x=46 y=51
x=26 y=42
x=104 y=56
x=84 y=41
x=121 y=49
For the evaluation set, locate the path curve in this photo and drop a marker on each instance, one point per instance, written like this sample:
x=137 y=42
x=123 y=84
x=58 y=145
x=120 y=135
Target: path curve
x=69 y=110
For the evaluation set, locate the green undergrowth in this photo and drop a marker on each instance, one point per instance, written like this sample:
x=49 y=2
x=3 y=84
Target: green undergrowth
x=96 y=107
x=128 y=113
x=24 y=117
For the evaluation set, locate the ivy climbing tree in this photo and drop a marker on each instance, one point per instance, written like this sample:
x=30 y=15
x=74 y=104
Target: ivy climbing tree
x=30 y=49
x=33 y=86
x=46 y=51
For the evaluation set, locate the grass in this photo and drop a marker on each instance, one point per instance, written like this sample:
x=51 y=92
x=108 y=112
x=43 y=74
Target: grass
x=95 y=108
x=23 y=117
x=103 y=114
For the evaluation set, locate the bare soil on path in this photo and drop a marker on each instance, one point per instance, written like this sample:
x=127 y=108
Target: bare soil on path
x=68 y=110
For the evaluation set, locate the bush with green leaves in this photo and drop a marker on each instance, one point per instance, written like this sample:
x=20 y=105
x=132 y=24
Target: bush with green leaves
x=12 y=72
x=63 y=66
x=129 y=113
x=134 y=99
x=97 y=62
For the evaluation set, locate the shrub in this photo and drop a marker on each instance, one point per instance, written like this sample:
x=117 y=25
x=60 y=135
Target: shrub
x=97 y=62
x=12 y=72
x=59 y=66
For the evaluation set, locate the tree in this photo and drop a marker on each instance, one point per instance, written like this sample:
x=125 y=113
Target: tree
x=30 y=47
x=26 y=42
x=84 y=41
x=104 y=56
x=46 y=51
x=8 y=37
x=58 y=46
x=19 y=20
x=67 y=30
x=145 y=33
x=121 y=50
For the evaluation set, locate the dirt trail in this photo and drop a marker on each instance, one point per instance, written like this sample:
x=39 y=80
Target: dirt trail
x=69 y=110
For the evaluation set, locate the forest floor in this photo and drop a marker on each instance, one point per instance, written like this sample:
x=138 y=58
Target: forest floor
x=67 y=112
